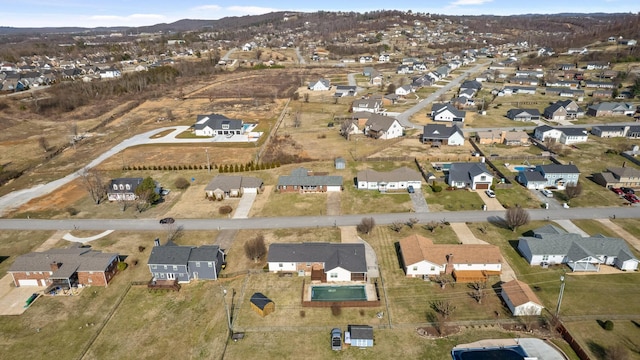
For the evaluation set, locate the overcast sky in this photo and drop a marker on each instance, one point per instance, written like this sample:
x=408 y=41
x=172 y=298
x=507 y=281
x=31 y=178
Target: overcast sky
x=95 y=13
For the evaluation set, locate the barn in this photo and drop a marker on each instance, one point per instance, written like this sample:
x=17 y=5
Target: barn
x=262 y=305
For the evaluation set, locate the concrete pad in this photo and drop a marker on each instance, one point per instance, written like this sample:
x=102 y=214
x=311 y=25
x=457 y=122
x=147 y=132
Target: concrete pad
x=72 y=238
x=244 y=206
x=13 y=299
x=571 y=227
x=630 y=238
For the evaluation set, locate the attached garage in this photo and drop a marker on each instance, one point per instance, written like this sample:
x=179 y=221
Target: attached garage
x=28 y=282
x=481 y=186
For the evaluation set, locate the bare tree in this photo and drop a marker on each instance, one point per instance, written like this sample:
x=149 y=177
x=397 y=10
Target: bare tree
x=443 y=280
x=552 y=144
x=297 y=119
x=255 y=248
x=478 y=290
x=443 y=307
x=306 y=97
x=573 y=190
x=366 y=225
x=396 y=226
x=174 y=232
x=43 y=143
x=432 y=225
x=515 y=217
x=124 y=203
x=529 y=316
x=95 y=185
x=345 y=129
x=617 y=352
x=143 y=202
x=411 y=222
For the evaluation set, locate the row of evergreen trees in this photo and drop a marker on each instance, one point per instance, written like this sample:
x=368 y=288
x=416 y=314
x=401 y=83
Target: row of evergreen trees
x=226 y=168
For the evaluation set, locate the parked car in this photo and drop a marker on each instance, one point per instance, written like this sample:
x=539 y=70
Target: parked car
x=547 y=192
x=632 y=198
x=617 y=191
x=490 y=193
x=336 y=339
x=167 y=220
x=627 y=190
x=410 y=189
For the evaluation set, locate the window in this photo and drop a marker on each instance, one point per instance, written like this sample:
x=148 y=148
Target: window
x=433 y=268
x=115 y=186
x=280 y=265
x=210 y=263
x=334 y=275
x=90 y=280
x=175 y=267
x=197 y=263
x=415 y=268
x=90 y=272
x=165 y=267
x=154 y=266
x=545 y=257
x=483 y=178
x=308 y=264
x=121 y=187
x=28 y=273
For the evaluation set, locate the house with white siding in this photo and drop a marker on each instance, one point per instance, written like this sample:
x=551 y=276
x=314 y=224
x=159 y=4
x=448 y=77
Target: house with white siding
x=520 y=299
x=397 y=179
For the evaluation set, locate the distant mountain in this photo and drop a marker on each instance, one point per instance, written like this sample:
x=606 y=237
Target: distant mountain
x=178 y=26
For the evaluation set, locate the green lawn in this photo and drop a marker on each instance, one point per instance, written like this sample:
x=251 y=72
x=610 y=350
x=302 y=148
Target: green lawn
x=452 y=200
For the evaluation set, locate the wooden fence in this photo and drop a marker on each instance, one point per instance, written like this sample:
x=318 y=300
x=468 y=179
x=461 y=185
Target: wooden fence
x=572 y=342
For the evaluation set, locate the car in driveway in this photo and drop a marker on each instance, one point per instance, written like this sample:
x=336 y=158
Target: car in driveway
x=167 y=220
x=547 y=193
x=627 y=190
x=490 y=193
x=336 y=339
x=632 y=198
x=617 y=191
x=410 y=189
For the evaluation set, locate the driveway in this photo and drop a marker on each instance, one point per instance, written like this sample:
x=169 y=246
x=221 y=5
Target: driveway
x=631 y=239
x=244 y=206
x=419 y=202
x=571 y=227
x=349 y=234
x=492 y=203
x=13 y=299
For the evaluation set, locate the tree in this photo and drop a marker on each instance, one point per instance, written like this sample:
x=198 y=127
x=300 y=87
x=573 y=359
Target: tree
x=411 y=222
x=366 y=225
x=552 y=144
x=181 y=183
x=306 y=97
x=396 y=226
x=443 y=307
x=573 y=190
x=255 y=248
x=147 y=191
x=617 y=352
x=478 y=290
x=297 y=119
x=95 y=185
x=43 y=143
x=443 y=280
x=391 y=89
x=345 y=128
x=174 y=232
x=432 y=225
x=515 y=217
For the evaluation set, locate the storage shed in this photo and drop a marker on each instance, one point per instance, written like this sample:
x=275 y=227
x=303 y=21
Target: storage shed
x=359 y=336
x=262 y=304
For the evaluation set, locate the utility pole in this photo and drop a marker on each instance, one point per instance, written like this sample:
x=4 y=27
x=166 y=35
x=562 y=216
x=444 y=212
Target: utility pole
x=560 y=296
x=226 y=308
x=208 y=162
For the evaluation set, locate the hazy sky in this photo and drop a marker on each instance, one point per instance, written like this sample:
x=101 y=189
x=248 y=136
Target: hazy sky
x=94 y=13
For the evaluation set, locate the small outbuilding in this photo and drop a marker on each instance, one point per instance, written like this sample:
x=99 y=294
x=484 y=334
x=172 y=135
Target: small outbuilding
x=520 y=299
x=359 y=336
x=262 y=304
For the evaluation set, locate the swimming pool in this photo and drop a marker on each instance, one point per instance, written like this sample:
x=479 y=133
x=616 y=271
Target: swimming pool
x=494 y=353
x=339 y=293
x=522 y=168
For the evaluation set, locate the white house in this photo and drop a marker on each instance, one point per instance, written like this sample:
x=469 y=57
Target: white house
x=421 y=257
x=320 y=85
x=327 y=262
x=404 y=90
x=520 y=299
x=469 y=175
x=447 y=112
x=552 y=245
x=397 y=179
x=383 y=127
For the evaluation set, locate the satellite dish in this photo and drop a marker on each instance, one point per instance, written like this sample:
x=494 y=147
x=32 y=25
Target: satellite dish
x=636 y=148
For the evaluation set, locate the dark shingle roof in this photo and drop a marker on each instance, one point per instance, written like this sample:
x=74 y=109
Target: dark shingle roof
x=361 y=332
x=215 y=121
x=171 y=254
x=466 y=171
x=260 y=300
x=72 y=259
x=347 y=256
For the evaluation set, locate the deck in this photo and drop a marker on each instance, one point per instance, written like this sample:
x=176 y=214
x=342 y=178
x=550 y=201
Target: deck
x=164 y=285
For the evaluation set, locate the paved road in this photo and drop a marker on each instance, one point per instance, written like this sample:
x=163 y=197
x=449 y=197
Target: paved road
x=313 y=221
x=404 y=118
x=301 y=59
x=225 y=57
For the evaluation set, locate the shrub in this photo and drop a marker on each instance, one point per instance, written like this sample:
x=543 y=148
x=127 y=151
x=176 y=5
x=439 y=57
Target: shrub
x=224 y=210
x=72 y=211
x=181 y=183
x=302 y=313
x=336 y=309
x=141 y=248
x=608 y=325
x=436 y=188
x=122 y=265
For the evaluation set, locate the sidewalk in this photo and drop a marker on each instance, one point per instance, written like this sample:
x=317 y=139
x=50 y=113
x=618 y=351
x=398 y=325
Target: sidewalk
x=631 y=239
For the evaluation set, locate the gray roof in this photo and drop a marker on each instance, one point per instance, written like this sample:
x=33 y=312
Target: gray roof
x=215 y=121
x=70 y=260
x=401 y=174
x=466 y=171
x=438 y=108
x=558 y=169
x=511 y=113
x=171 y=254
x=574 y=246
x=571 y=131
x=378 y=122
x=440 y=131
x=231 y=182
x=361 y=332
x=532 y=176
x=611 y=106
x=300 y=176
x=347 y=256
x=132 y=182
x=548 y=229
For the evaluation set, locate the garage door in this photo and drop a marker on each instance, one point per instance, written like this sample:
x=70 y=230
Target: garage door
x=482 y=186
x=28 y=282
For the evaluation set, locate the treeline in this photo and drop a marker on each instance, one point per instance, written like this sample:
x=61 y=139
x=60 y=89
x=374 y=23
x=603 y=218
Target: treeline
x=222 y=168
x=68 y=96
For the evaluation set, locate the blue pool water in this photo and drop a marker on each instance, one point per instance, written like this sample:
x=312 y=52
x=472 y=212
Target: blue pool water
x=338 y=293
x=522 y=168
x=501 y=353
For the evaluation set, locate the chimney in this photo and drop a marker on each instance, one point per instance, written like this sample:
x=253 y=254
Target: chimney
x=449 y=268
x=55 y=266
x=624 y=164
x=156 y=242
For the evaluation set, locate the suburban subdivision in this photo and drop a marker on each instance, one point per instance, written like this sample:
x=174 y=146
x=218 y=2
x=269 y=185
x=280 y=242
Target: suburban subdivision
x=314 y=185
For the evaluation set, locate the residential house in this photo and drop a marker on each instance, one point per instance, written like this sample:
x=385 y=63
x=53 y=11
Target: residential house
x=515 y=138
x=68 y=267
x=616 y=177
x=597 y=65
x=471 y=84
x=519 y=90
x=397 y=179
x=226 y=186
x=123 y=189
x=555 y=176
x=447 y=112
x=360 y=336
x=563 y=110
x=489 y=137
x=325 y=262
x=609 y=131
x=611 y=109
x=305 y=181
x=216 y=124
x=383 y=58
x=440 y=134
x=564 y=92
x=404 y=90
x=383 y=127
x=520 y=299
x=110 y=73
x=376 y=79
x=404 y=69
x=578 y=252
x=590 y=84
x=420 y=257
x=373 y=105
x=320 y=85
x=628 y=42
x=602 y=94
x=185 y=263
x=523 y=114
x=469 y=175
x=563 y=135
x=345 y=90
